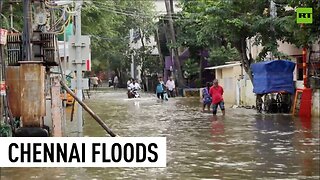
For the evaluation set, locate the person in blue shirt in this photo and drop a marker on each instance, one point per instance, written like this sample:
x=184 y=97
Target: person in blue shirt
x=160 y=88
x=206 y=98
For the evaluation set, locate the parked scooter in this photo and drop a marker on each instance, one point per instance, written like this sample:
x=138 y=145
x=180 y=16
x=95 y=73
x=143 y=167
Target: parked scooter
x=133 y=93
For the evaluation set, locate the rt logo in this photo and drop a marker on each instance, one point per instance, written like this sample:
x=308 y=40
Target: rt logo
x=304 y=15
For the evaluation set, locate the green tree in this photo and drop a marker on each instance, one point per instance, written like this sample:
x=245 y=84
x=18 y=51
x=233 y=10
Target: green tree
x=114 y=19
x=230 y=23
x=191 y=69
x=297 y=34
x=108 y=23
x=109 y=40
x=226 y=22
x=143 y=24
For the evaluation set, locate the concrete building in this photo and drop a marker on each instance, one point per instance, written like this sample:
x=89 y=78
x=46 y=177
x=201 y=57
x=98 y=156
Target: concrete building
x=160 y=9
x=228 y=76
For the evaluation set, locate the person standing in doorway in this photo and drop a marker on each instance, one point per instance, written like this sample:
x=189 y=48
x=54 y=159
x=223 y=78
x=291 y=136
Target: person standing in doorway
x=115 y=82
x=171 y=87
x=216 y=93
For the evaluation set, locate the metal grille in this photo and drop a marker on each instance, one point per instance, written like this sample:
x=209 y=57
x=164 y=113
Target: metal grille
x=47 y=51
x=49 y=48
x=14 y=45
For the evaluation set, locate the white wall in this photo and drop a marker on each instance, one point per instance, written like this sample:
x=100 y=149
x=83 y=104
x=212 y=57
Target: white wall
x=289 y=49
x=247 y=98
x=315 y=111
x=286 y=48
x=228 y=78
x=161 y=7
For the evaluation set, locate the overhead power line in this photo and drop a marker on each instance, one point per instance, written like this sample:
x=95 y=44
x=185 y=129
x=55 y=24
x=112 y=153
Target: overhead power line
x=109 y=8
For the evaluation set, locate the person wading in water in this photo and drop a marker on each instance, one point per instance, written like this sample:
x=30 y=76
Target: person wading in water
x=206 y=98
x=216 y=93
x=160 y=88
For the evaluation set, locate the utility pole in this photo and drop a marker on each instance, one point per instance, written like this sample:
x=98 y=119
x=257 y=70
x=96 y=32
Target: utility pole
x=64 y=73
x=273 y=9
x=131 y=34
x=79 y=65
x=178 y=73
x=1 y=2
x=132 y=67
x=159 y=47
x=11 y=15
x=26 y=31
x=273 y=14
x=171 y=6
x=1 y=71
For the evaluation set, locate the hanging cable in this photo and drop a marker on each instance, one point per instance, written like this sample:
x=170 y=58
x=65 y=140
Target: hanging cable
x=70 y=12
x=133 y=13
x=65 y=23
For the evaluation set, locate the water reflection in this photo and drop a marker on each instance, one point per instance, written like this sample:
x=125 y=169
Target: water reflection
x=274 y=150
x=286 y=146
x=241 y=145
x=306 y=144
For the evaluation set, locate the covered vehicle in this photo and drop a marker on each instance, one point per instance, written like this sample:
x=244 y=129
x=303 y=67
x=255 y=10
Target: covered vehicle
x=273 y=80
x=273 y=76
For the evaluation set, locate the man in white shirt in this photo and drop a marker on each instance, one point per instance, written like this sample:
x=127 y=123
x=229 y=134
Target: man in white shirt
x=133 y=88
x=134 y=85
x=171 y=87
x=95 y=82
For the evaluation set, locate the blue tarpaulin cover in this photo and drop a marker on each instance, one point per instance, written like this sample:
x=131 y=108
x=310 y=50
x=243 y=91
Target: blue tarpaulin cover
x=273 y=76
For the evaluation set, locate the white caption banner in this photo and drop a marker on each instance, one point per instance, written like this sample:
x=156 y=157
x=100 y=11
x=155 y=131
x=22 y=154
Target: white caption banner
x=82 y=152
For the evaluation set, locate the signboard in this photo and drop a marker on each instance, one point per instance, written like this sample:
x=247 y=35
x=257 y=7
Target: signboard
x=304 y=15
x=3 y=36
x=61 y=48
x=84 y=83
x=88 y=65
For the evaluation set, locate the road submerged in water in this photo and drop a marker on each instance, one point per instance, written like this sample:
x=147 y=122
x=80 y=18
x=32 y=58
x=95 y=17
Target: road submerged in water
x=240 y=145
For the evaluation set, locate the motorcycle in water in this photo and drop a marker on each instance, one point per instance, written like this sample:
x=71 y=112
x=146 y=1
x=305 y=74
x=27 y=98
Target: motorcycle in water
x=133 y=93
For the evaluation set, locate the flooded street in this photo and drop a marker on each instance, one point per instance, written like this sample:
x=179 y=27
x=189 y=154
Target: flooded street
x=241 y=145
